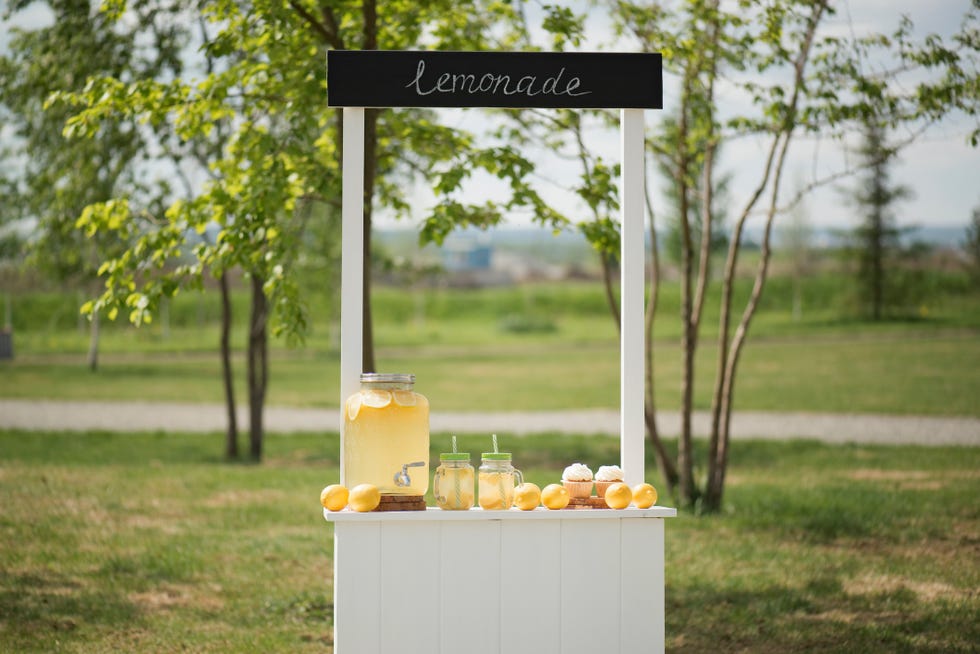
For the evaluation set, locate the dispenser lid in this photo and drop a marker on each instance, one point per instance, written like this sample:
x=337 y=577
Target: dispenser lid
x=497 y=456
x=454 y=456
x=388 y=377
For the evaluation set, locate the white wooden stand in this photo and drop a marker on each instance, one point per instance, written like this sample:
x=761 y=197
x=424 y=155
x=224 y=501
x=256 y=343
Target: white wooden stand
x=501 y=582
x=568 y=581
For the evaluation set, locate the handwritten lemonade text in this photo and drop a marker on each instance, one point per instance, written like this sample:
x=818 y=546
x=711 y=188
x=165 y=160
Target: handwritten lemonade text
x=495 y=84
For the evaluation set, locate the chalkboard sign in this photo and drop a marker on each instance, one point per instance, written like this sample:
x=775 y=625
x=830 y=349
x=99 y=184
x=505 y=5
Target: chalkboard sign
x=389 y=78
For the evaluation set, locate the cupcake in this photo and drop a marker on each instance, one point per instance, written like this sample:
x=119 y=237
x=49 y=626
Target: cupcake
x=577 y=480
x=605 y=477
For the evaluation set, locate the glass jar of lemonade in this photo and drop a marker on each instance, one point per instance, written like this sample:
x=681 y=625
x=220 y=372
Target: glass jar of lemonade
x=386 y=435
x=497 y=480
x=454 y=482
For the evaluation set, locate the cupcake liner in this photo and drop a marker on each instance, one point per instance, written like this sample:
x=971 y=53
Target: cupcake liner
x=601 y=486
x=578 y=489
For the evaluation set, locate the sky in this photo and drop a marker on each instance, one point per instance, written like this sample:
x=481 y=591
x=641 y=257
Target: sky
x=941 y=168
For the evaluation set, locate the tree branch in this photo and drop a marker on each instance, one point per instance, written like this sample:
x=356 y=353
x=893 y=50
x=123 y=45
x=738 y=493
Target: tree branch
x=311 y=20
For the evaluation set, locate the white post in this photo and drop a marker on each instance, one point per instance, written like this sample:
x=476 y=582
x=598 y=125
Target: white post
x=352 y=260
x=632 y=356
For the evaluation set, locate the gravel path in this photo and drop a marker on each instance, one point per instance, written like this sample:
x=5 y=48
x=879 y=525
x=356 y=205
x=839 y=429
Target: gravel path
x=829 y=428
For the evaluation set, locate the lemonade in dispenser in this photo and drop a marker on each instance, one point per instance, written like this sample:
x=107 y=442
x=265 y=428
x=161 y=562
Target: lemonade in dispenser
x=386 y=435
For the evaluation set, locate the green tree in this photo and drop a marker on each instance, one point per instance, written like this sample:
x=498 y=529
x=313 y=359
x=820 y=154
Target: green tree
x=282 y=157
x=55 y=178
x=798 y=78
x=877 y=240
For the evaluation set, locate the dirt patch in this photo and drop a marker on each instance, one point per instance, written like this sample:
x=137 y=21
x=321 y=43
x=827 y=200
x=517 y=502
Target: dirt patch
x=877 y=474
x=913 y=479
x=163 y=524
x=85 y=510
x=873 y=474
x=173 y=596
x=925 y=591
x=239 y=497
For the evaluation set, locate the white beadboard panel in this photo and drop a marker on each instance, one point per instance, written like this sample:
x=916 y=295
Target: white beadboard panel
x=590 y=595
x=530 y=587
x=409 y=588
x=642 y=615
x=357 y=587
x=469 y=588
x=500 y=582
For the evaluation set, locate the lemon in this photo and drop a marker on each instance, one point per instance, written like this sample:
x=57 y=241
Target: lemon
x=334 y=497
x=364 y=497
x=527 y=496
x=353 y=406
x=376 y=399
x=644 y=496
x=554 y=496
x=618 y=496
x=405 y=398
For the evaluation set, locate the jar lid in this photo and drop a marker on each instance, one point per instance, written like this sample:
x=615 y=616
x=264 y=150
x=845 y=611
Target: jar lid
x=497 y=456
x=388 y=377
x=455 y=456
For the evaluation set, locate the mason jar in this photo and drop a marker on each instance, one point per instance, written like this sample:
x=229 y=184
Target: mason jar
x=497 y=480
x=386 y=435
x=454 y=482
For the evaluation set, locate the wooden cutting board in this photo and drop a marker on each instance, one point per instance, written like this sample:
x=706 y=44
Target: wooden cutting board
x=402 y=503
x=587 y=503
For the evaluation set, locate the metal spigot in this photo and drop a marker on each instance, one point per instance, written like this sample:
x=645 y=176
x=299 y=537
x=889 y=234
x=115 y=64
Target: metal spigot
x=402 y=478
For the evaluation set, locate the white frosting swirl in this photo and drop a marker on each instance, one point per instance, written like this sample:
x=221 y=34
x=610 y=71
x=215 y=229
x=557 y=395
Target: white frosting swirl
x=577 y=472
x=609 y=473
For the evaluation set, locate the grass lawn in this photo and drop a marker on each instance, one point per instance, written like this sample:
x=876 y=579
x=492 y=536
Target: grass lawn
x=899 y=373
x=150 y=543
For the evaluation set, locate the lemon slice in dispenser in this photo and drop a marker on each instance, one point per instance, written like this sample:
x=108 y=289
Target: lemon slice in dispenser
x=376 y=399
x=405 y=398
x=353 y=406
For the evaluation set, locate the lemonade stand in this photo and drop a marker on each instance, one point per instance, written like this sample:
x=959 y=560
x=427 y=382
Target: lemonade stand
x=477 y=580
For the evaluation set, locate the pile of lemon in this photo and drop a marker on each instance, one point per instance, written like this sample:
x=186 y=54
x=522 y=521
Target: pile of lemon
x=527 y=497
x=618 y=496
x=361 y=498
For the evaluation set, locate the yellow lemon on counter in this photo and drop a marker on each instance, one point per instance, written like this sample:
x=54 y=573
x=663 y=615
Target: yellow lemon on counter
x=364 y=497
x=527 y=496
x=554 y=496
x=618 y=496
x=644 y=496
x=334 y=497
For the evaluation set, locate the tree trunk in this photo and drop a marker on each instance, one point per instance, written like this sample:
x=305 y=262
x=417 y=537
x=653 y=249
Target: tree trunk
x=877 y=260
x=258 y=368
x=607 y=284
x=685 y=451
x=231 y=431
x=370 y=42
x=93 y=342
x=728 y=359
x=370 y=166
x=665 y=464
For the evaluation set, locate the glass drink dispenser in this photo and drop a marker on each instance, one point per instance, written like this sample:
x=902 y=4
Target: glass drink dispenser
x=386 y=435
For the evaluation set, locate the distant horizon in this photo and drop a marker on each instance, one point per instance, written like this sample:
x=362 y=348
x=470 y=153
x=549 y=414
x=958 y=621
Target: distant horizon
x=938 y=235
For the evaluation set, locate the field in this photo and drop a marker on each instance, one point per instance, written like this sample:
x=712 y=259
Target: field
x=149 y=543
x=152 y=543
x=545 y=346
